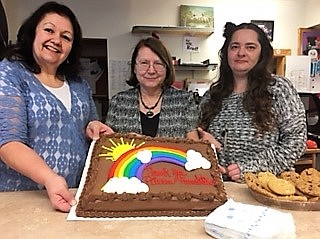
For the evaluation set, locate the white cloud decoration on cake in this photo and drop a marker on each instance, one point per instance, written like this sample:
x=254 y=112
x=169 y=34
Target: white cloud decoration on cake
x=195 y=161
x=121 y=185
x=144 y=156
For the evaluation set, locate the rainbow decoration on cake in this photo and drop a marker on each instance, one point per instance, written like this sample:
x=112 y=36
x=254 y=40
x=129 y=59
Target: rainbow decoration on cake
x=130 y=161
x=133 y=162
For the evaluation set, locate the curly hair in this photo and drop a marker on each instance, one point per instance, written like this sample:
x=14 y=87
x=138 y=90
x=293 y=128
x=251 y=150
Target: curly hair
x=257 y=99
x=161 y=51
x=22 y=50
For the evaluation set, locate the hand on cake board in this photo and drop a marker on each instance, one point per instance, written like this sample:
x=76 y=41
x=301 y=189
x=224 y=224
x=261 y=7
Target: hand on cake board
x=95 y=128
x=60 y=197
x=205 y=136
x=232 y=171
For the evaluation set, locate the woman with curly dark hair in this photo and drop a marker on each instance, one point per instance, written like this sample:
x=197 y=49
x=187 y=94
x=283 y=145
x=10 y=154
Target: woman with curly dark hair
x=255 y=119
x=48 y=116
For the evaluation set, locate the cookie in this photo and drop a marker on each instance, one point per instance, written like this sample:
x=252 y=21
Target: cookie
x=264 y=178
x=255 y=184
x=308 y=186
x=299 y=193
x=249 y=178
x=314 y=199
x=281 y=186
x=291 y=176
x=299 y=198
x=310 y=174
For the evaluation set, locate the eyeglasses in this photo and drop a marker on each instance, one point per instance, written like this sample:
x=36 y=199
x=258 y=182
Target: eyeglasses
x=145 y=65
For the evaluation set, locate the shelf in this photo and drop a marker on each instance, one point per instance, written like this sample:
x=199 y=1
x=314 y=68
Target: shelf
x=304 y=162
x=195 y=67
x=177 y=30
x=281 y=52
x=309 y=159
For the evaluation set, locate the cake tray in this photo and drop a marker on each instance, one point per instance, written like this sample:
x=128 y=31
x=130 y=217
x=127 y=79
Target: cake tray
x=285 y=204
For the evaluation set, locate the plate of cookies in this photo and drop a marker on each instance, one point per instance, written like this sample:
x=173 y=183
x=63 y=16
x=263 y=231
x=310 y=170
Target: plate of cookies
x=289 y=190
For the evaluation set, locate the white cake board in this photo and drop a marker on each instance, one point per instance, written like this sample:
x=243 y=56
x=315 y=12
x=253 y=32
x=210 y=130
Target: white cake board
x=72 y=214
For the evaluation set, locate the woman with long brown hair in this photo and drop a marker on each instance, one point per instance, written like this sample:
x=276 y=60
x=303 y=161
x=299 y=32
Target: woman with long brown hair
x=255 y=119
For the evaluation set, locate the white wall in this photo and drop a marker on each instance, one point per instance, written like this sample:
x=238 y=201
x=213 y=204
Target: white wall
x=312 y=13
x=113 y=19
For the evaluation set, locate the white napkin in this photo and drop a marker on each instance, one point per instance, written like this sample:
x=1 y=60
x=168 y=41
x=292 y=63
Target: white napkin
x=234 y=220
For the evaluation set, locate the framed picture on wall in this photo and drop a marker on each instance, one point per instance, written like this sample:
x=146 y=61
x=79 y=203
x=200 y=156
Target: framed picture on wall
x=196 y=16
x=266 y=26
x=309 y=39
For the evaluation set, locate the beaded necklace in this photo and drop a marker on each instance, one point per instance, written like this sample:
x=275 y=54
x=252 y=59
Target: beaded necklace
x=149 y=113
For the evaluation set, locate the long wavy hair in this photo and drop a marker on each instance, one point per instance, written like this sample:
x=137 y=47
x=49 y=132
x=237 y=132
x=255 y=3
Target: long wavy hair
x=257 y=100
x=23 y=49
x=161 y=51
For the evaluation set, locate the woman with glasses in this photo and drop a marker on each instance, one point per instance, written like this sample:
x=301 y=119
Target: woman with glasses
x=152 y=106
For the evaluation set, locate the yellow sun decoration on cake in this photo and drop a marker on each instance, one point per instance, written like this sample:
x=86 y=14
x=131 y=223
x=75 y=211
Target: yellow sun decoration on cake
x=118 y=149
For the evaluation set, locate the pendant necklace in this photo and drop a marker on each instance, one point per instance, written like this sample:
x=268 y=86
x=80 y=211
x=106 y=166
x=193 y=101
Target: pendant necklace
x=149 y=113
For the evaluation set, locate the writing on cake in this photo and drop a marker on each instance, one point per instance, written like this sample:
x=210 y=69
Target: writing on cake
x=173 y=176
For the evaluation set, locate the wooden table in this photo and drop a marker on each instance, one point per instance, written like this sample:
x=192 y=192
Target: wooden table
x=29 y=215
x=309 y=158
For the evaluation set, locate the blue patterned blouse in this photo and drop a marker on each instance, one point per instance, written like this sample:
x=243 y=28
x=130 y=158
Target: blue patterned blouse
x=31 y=114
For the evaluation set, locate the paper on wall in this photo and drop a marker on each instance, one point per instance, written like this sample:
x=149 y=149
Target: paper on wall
x=191 y=44
x=298 y=72
x=119 y=73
